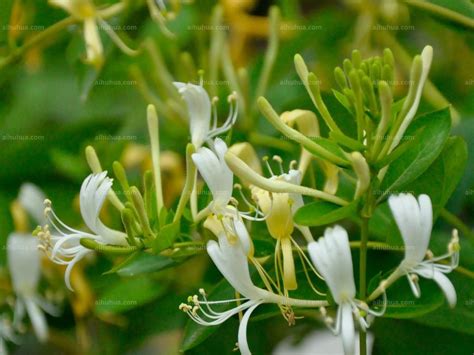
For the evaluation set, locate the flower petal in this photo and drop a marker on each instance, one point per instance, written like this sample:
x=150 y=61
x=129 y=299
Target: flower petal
x=215 y=172
x=38 y=319
x=23 y=263
x=443 y=282
x=243 y=344
x=31 y=198
x=414 y=222
x=199 y=108
x=93 y=193
x=332 y=257
x=347 y=329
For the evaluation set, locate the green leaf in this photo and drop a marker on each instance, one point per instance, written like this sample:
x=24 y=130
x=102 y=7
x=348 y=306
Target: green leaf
x=166 y=236
x=442 y=177
x=320 y=213
x=141 y=263
x=397 y=336
x=402 y=304
x=430 y=133
x=129 y=294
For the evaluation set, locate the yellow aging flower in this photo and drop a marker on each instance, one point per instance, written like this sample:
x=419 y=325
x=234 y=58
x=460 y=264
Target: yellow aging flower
x=277 y=208
x=86 y=12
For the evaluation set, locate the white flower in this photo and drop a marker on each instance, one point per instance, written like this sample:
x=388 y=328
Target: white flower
x=24 y=265
x=331 y=255
x=216 y=174
x=62 y=244
x=415 y=221
x=92 y=16
x=279 y=210
x=31 y=199
x=229 y=255
x=200 y=110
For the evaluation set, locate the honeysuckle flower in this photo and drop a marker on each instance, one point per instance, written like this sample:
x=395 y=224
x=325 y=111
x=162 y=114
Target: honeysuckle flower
x=200 y=109
x=332 y=257
x=216 y=174
x=31 y=199
x=62 y=243
x=229 y=255
x=91 y=17
x=24 y=266
x=279 y=209
x=414 y=219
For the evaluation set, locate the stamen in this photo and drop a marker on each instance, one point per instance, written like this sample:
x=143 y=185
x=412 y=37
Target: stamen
x=293 y=165
x=269 y=168
x=215 y=99
x=279 y=160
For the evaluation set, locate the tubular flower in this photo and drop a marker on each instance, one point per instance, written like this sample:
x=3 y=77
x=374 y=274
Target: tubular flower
x=62 y=243
x=331 y=255
x=415 y=221
x=24 y=266
x=201 y=109
x=229 y=255
x=31 y=199
x=216 y=174
x=91 y=16
x=279 y=209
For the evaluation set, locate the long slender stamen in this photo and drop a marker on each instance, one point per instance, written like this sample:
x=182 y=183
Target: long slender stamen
x=279 y=160
x=232 y=117
x=214 y=113
x=267 y=165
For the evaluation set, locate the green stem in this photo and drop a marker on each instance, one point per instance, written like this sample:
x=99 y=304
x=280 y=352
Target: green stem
x=443 y=12
x=363 y=276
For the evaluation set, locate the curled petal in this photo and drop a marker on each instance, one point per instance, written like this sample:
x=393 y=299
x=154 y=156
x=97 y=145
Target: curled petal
x=243 y=344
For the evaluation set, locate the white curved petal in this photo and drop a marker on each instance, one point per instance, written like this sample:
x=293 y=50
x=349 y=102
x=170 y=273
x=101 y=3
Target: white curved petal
x=215 y=172
x=32 y=199
x=426 y=219
x=23 y=263
x=199 y=108
x=38 y=319
x=243 y=344
x=70 y=265
x=414 y=222
x=93 y=193
x=243 y=235
x=232 y=262
x=332 y=257
x=347 y=329
x=443 y=282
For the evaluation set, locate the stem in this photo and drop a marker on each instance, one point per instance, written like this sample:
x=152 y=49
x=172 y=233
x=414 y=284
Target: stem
x=457 y=223
x=363 y=276
x=442 y=11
